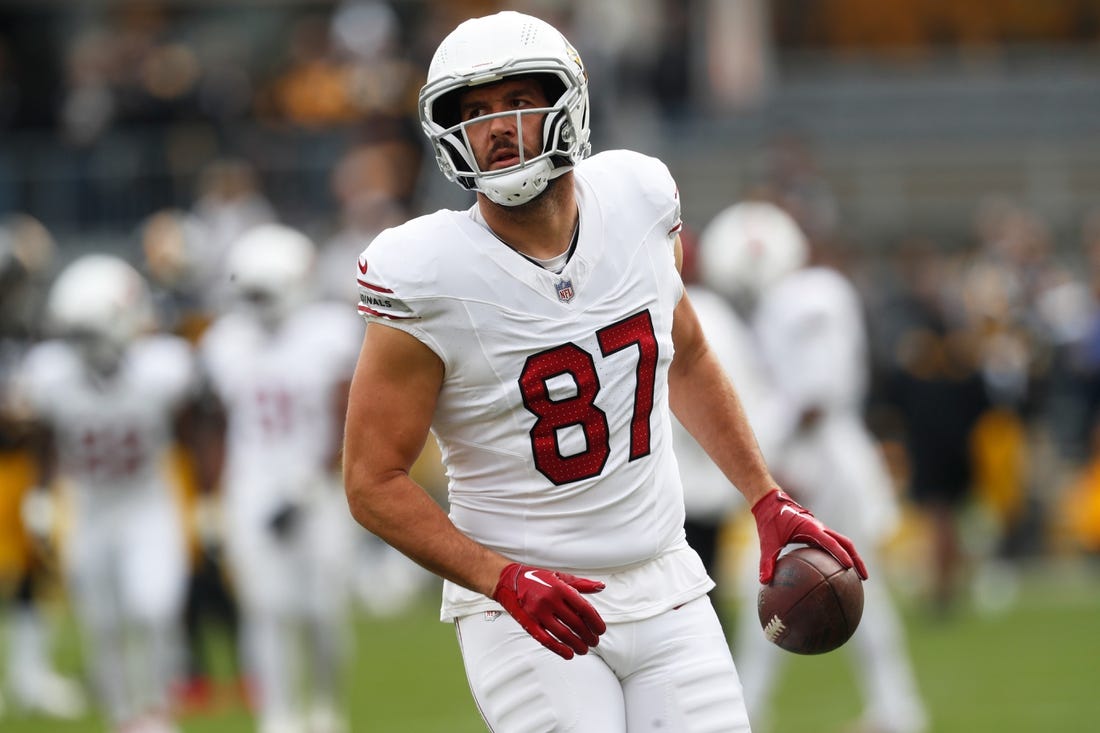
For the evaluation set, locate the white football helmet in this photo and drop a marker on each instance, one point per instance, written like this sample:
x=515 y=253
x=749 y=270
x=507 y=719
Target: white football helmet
x=486 y=50
x=748 y=247
x=270 y=269
x=101 y=303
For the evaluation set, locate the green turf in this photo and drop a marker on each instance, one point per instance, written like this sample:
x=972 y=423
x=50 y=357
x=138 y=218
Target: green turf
x=1033 y=668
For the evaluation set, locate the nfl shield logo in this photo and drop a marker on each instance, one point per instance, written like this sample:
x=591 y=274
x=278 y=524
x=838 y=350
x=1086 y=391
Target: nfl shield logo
x=565 y=290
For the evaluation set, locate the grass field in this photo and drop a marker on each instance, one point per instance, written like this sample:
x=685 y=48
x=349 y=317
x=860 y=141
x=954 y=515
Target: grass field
x=1031 y=668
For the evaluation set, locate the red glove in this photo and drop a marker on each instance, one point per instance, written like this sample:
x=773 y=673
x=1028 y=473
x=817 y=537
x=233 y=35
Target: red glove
x=781 y=520
x=548 y=605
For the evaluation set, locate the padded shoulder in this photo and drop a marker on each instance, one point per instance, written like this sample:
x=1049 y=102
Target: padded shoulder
x=165 y=364
x=640 y=180
x=47 y=367
x=404 y=266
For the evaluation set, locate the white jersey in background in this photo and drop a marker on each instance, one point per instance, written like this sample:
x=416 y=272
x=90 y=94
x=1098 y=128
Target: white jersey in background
x=278 y=392
x=707 y=492
x=279 y=365
x=550 y=384
x=812 y=339
x=123 y=549
x=112 y=434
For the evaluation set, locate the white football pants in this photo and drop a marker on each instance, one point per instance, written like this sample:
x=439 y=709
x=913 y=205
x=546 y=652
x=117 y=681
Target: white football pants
x=672 y=672
x=294 y=595
x=127 y=571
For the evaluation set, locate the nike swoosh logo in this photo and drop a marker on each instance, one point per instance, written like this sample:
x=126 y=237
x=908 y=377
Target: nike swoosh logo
x=363 y=267
x=530 y=575
x=789 y=508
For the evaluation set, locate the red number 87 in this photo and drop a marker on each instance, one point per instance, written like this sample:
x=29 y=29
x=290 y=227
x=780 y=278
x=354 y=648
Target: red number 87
x=580 y=409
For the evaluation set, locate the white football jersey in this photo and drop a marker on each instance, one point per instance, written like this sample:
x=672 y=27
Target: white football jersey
x=553 y=417
x=813 y=340
x=278 y=390
x=815 y=313
x=111 y=434
x=707 y=491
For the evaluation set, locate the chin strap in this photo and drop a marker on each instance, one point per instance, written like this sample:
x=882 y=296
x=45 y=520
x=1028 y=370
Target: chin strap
x=519 y=186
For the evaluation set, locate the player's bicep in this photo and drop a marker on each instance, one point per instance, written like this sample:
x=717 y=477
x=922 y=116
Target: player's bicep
x=688 y=340
x=390 y=404
x=696 y=380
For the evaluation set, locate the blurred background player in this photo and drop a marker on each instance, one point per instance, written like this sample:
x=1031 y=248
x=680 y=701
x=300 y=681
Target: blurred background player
x=807 y=324
x=107 y=397
x=280 y=363
x=26 y=567
x=184 y=274
x=710 y=501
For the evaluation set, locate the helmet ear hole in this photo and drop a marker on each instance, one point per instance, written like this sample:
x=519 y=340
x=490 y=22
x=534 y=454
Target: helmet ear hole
x=552 y=87
x=445 y=109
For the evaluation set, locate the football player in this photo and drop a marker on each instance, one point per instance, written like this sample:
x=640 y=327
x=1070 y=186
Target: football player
x=107 y=394
x=27 y=567
x=280 y=363
x=534 y=334
x=710 y=502
x=807 y=323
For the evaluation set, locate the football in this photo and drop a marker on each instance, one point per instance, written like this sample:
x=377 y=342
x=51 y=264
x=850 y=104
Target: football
x=813 y=604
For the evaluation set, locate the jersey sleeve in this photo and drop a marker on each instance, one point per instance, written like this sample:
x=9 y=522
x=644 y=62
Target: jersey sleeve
x=40 y=381
x=660 y=194
x=668 y=194
x=656 y=187
x=168 y=367
x=397 y=281
x=381 y=292
x=334 y=334
x=218 y=352
x=815 y=342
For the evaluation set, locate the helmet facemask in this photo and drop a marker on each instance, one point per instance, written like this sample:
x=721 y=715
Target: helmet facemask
x=495 y=48
x=268 y=306
x=564 y=139
x=101 y=351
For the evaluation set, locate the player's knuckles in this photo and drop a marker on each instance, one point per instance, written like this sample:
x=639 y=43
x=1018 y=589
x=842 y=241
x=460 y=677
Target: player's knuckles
x=588 y=617
x=595 y=623
x=558 y=640
x=579 y=629
x=546 y=639
x=571 y=641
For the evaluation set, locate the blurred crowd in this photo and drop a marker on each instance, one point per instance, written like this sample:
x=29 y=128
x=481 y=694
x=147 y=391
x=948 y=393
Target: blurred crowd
x=984 y=355
x=319 y=96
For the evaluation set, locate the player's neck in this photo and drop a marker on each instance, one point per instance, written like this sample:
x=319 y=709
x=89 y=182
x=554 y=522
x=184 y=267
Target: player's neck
x=542 y=228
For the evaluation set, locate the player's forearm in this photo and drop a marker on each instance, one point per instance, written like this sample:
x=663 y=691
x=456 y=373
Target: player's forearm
x=401 y=513
x=706 y=403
